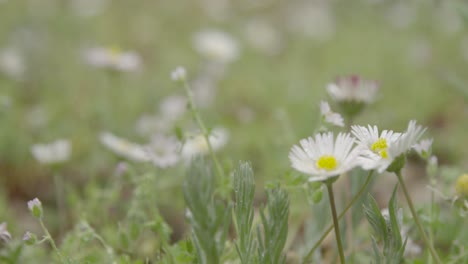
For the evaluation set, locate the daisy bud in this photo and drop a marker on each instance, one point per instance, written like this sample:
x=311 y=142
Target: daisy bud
x=35 y=206
x=29 y=238
x=461 y=186
x=179 y=74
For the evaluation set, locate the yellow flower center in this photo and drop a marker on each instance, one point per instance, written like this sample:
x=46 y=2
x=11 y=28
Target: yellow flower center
x=327 y=162
x=380 y=146
x=462 y=185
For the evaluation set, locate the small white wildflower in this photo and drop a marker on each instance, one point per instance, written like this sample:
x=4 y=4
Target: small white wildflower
x=216 y=46
x=179 y=74
x=12 y=63
x=113 y=58
x=323 y=157
x=4 y=234
x=35 y=206
x=329 y=116
x=55 y=152
x=197 y=145
x=124 y=148
x=163 y=151
x=353 y=89
x=173 y=107
x=423 y=148
x=378 y=152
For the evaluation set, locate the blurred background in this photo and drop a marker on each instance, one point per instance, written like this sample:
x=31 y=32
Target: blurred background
x=76 y=68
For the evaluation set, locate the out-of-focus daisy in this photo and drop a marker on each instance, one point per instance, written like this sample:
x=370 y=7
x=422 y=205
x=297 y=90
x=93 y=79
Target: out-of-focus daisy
x=173 y=107
x=378 y=152
x=54 y=152
x=163 y=151
x=263 y=37
x=353 y=88
x=323 y=157
x=87 y=8
x=113 y=58
x=197 y=145
x=124 y=148
x=12 y=63
x=401 y=14
x=423 y=148
x=179 y=74
x=461 y=186
x=216 y=46
x=329 y=116
x=4 y=234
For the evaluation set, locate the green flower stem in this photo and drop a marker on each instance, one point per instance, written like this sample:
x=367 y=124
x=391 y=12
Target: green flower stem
x=335 y=222
x=52 y=242
x=330 y=228
x=196 y=116
x=59 y=199
x=416 y=219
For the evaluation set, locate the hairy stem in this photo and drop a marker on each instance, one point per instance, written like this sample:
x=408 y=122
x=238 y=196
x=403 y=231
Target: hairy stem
x=335 y=223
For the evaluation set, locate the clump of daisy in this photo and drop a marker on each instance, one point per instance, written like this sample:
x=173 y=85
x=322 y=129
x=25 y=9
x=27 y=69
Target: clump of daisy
x=5 y=236
x=423 y=148
x=353 y=93
x=324 y=159
x=57 y=151
x=197 y=145
x=216 y=46
x=124 y=147
x=329 y=116
x=112 y=58
x=381 y=151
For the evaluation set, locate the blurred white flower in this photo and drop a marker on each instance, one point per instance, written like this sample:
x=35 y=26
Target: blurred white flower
x=12 y=63
x=379 y=152
x=216 y=46
x=163 y=151
x=88 y=8
x=448 y=19
x=322 y=157
x=423 y=148
x=218 y=10
x=4 y=234
x=173 y=107
x=179 y=74
x=329 y=116
x=353 y=88
x=124 y=148
x=401 y=14
x=112 y=58
x=411 y=248
x=55 y=152
x=197 y=145
x=313 y=19
x=263 y=37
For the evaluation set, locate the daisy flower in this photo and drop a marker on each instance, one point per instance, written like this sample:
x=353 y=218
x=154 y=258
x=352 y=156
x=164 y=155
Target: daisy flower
x=353 y=89
x=124 y=148
x=54 y=152
x=323 y=157
x=379 y=151
x=423 y=148
x=163 y=151
x=113 y=58
x=216 y=45
x=329 y=116
x=198 y=146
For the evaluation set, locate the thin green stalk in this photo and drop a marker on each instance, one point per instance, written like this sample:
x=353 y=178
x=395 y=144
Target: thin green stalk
x=416 y=219
x=201 y=125
x=335 y=223
x=330 y=228
x=51 y=240
x=59 y=202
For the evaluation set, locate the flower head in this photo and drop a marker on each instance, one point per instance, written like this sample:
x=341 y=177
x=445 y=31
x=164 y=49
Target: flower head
x=12 y=63
x=197 y=145
x=216 y=46
x=179 y=74
x=124 y=148
x=423 y=148
x=4 y=234
x=35 y=206
x=323 y=157
x=329 y=116
x=353 y=88
x=380 y=151
x=55 y=152
x=163 y=151
x=29 y=238
x=113 y=58
x=461 y=186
